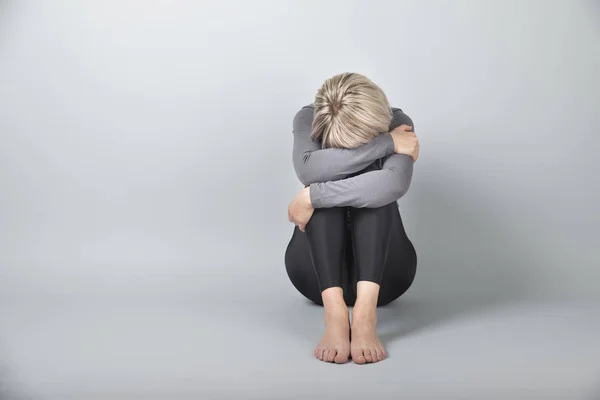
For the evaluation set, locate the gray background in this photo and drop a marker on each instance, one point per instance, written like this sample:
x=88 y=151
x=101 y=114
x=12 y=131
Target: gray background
x=145 y=165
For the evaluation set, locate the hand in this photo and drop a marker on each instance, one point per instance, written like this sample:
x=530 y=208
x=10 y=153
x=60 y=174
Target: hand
x=300 y=209
x=406 y=141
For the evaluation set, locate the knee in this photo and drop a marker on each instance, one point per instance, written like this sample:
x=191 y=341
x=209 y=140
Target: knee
x=387 y=297
x=387 y=209
x=380 y=210
x=327 y=217
x=388 y=293
x=383 y=213
x=333 y=212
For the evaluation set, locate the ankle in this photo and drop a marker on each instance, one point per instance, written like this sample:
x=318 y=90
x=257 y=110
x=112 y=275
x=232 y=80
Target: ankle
x=365 y=309
x=336 y=316
x=363 y=303
x=335 y=308
x=333 y=298
x=367 y=296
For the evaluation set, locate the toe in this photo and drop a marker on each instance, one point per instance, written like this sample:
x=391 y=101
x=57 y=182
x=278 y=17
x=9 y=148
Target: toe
x=325 y=354
x=331 y=355
x=367 y=354
x=318 y=352
x=380 y=354
x=359 y=357
x=374 y=355
x=341 y=357
x=321 y=354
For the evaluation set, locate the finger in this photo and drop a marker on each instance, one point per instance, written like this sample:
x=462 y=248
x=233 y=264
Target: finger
x=405 y=127
x=302 y=227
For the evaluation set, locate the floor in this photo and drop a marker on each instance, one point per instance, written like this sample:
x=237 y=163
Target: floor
x=88 y=347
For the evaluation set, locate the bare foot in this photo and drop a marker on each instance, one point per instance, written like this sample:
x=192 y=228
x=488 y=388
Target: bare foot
x=335 y=344
x=365 y=346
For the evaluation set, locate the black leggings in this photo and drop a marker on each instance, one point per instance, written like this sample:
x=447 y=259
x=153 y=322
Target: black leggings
x=344 y=245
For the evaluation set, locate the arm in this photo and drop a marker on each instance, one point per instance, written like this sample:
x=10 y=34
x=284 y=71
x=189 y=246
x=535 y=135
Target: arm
x=314 y=164
x=371 y=189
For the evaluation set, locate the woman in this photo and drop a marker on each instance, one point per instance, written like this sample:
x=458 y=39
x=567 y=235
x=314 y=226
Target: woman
x=354 y=154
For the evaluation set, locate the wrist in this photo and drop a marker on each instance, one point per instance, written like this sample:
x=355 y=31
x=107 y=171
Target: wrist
x=306 y=195
x=389 y=142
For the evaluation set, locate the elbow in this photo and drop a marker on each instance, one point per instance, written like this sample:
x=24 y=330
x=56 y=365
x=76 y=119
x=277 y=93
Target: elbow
x=396 y=190
x=400 y=184
x=305 y=173
x=308 y=176
x=399 y=190
x=392 y=194
x=393 y=190
x=305 y=177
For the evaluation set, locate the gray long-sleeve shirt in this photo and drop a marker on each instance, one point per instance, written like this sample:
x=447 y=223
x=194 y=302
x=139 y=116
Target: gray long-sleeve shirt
x=327 y=171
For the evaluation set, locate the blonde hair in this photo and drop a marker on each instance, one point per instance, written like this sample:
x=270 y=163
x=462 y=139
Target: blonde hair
x=350 y=110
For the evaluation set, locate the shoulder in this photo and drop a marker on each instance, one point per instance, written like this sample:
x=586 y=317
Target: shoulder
x=400 y=118
x=304 y=117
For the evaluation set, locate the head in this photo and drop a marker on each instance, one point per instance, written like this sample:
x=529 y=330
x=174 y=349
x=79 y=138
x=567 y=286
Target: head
x=350 y=110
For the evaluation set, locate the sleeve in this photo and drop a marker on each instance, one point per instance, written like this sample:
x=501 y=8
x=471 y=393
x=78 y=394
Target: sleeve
x=370 y=189
x=314 y=164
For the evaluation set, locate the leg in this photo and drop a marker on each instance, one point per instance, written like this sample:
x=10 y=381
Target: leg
x=371 y=228
x=299 y=268
x=311 y=264
x=377 y=261
x=322 y=248
x=400 y=265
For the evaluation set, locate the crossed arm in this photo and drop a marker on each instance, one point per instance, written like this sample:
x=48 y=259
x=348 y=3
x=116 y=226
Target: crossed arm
x=326 y=171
